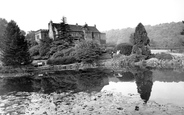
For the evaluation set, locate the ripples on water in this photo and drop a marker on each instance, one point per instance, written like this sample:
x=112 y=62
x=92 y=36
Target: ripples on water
x=163 y=86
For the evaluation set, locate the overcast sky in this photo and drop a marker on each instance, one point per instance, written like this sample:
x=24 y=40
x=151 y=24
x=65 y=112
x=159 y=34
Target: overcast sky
x=106 y=14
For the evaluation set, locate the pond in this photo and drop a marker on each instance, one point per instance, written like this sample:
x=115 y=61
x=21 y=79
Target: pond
x=162 y=86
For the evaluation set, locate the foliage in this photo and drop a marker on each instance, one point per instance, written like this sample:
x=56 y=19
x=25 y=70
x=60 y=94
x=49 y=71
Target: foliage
x=88 y=51
x=140 y=42
x=140 y=36
x=128 y=60
x=163 y=56
x=122 y=61
x=131 y=40
x=3 y=25
x=125 y=48
x=30 y=37
x=63 y=53
x=62 y=60
x=64 y=39
x=34 y=51
x=14 y=49
x=117 y=36
x=44 y=47
x=161 y=35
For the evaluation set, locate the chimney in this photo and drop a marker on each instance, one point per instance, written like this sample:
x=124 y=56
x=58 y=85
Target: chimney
x=64 y=19
x=76 y=24
x=95 y=25
x=50 y=24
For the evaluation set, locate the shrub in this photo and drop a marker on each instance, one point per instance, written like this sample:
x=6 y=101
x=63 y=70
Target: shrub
x=110 y=51
x=163 y=56
x=34 y=51
x=125 y=48
x=62 y=60
x=88 y=51
x=45 y=46
x=63 y=53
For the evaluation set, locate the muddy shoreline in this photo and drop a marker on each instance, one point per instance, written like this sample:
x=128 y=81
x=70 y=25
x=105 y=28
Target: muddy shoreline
x=102 y=103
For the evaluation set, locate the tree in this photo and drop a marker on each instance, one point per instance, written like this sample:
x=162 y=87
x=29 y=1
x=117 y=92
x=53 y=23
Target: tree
x=141 y=41
x=140 y=35
x=131 y=40
x=156 y=33
x=3 y=25
x=88 y=51
x=14 y=48
x=64 y=40
x=44 y=46
x=30 y=37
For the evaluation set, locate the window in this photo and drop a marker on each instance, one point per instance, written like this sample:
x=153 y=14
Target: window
x=37 y=37
x=93 y=36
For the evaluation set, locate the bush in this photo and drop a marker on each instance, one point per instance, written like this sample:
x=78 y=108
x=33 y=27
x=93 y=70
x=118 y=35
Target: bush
x=125 y=48
x=88 y=51
x=63 y=53
x=62 y=60
x=163 y=56
x=34 y=51
x=45 y=47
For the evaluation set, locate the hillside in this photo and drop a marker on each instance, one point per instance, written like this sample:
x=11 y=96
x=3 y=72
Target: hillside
x=161 y=35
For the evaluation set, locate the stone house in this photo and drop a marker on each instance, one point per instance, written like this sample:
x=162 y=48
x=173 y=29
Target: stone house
x=41 y=34
x=76 y=31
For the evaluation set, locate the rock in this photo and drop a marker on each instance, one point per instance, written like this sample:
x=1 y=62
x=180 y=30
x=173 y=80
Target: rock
x=120 y=108
x=2 y=104
x=136 y=108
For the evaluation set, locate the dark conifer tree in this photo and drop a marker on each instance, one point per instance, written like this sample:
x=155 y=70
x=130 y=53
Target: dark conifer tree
x=63 y=39
x=14 y=48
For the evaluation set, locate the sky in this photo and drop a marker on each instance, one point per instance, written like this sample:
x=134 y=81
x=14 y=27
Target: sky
x=105 y=14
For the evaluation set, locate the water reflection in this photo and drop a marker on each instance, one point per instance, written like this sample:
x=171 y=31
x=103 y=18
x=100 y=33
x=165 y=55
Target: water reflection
x=126 y=76
x=147 y=83
x=144 y=82
x=85 y=80
x=143 y=78
x=160 y=85
x=11 y=84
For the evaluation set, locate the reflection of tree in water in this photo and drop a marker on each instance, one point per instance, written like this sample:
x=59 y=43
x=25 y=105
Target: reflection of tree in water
x=144 y=83
x=63 y=81
x=143 y=78
x=84 y=80
x=59 y=81
x=15 y=84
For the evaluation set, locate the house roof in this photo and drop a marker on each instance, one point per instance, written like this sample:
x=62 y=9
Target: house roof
x=42 y=30
x=78 y=28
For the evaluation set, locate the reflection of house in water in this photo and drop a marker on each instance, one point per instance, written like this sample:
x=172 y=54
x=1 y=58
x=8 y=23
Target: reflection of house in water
x=76 y=31
x=92 y=80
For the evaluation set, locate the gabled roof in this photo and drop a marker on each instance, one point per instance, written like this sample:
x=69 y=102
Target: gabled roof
x=93 y=29
x=78 y=28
